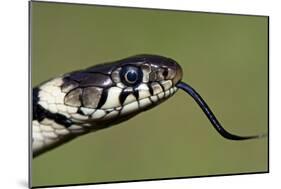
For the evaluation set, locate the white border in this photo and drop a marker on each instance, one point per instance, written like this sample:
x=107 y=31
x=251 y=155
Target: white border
x=14 y=80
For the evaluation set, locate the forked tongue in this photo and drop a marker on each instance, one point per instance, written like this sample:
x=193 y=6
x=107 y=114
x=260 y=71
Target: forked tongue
x=203 y=105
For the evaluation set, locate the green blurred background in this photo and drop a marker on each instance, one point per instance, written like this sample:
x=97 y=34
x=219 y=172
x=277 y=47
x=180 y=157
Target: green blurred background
x=224 y=57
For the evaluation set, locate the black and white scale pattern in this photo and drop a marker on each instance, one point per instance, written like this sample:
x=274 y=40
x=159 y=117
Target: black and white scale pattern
x=88 y=100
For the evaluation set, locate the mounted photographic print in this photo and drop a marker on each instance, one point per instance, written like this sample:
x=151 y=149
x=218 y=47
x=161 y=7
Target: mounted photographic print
x=121 y=94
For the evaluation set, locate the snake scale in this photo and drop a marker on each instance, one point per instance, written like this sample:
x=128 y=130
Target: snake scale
x=104 y=95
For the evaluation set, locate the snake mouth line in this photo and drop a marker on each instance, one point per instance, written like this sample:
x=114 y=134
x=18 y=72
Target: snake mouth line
x=134 y=106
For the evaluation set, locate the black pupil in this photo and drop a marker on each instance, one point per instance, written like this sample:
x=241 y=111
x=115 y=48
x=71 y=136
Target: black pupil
x=131 y=76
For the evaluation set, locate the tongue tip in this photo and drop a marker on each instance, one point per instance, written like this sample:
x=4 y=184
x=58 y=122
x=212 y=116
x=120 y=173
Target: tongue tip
x=265 y=135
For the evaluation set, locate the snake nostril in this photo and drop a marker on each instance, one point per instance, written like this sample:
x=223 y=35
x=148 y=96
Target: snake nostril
x=165 y=73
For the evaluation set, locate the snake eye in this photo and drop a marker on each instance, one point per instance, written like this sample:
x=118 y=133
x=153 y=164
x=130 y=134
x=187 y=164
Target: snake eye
x=131 y=75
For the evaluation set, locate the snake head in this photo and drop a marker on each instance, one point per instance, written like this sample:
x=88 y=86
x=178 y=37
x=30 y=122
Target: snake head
x=114 y=91
x=100 y=96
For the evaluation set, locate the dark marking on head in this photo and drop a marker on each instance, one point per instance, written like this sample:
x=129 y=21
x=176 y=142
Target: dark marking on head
x=165 y=72
x=42 y=113
x=39 y=113
x=61 y=119
x=163 y=88
x=86 y=79
x=35 y=99
x=136 y=94
x=123 y=96
x=103 y=98
x=150 y=89
x=80 y=112
x=68 y=85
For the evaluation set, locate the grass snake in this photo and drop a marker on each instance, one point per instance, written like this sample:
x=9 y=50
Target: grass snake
x=104 y=95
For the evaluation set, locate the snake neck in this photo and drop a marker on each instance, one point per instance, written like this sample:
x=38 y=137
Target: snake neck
x=50 y=128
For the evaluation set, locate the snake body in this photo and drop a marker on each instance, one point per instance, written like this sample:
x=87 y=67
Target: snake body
x=104 y=95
